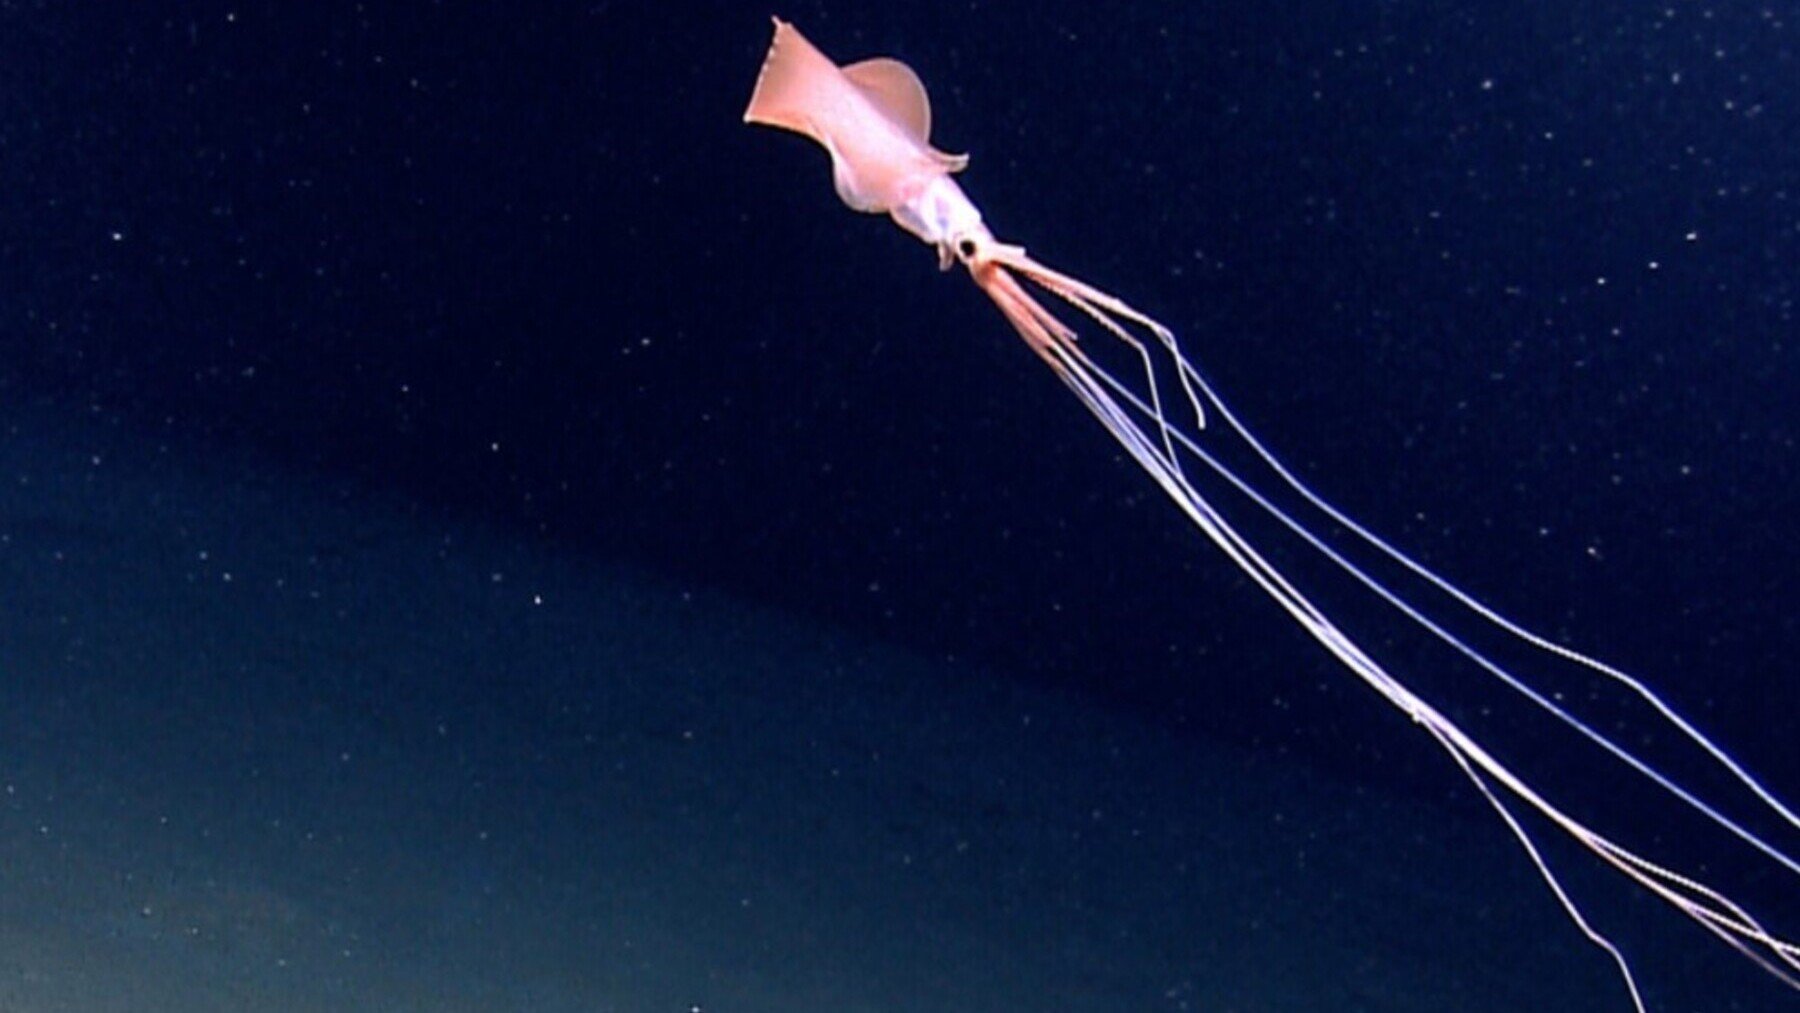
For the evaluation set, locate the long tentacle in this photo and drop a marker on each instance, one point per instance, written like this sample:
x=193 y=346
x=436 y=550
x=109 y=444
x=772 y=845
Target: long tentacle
x=1101 y=393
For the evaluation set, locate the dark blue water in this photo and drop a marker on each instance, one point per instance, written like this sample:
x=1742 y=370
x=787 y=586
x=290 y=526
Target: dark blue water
x=456 y=286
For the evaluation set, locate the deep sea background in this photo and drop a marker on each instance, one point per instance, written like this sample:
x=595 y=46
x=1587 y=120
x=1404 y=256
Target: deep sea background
x=1517 y=284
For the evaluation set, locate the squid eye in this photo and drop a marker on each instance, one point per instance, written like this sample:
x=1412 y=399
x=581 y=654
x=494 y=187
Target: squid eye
x=965 y=248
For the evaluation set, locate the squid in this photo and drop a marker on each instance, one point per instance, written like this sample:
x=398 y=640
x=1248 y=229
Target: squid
x=873 y=118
